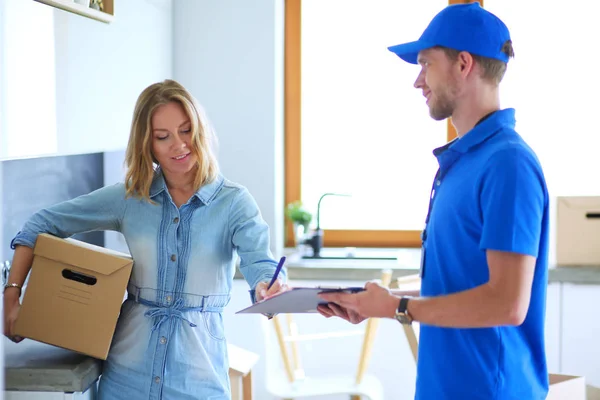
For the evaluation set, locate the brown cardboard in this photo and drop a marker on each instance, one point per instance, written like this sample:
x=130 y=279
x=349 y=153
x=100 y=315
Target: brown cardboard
x=566 y=387
x=59 y=309
x=578 y=231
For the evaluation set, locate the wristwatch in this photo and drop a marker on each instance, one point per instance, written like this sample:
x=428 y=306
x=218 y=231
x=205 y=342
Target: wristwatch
x=402 y=314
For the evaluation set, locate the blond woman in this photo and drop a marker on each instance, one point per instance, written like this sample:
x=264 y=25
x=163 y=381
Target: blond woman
x=184 y=223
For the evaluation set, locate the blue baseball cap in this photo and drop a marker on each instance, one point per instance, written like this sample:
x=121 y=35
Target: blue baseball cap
x=462 y=27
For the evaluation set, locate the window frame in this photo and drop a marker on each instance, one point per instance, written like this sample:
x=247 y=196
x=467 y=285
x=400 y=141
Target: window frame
x=293 y=146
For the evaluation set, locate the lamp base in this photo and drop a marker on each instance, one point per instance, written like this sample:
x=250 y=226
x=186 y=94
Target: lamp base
x=316 y=242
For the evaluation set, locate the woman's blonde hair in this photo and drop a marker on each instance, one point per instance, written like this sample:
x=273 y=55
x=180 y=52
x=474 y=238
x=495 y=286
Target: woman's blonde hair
x=139 y=160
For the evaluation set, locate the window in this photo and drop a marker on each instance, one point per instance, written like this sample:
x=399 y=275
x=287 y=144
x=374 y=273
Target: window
x=354 y=123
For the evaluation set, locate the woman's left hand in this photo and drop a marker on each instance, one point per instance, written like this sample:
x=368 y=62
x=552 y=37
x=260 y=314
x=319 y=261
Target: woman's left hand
x=262 y=291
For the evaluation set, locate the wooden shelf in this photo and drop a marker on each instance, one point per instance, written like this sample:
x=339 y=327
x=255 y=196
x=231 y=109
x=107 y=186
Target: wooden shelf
x=69 y=5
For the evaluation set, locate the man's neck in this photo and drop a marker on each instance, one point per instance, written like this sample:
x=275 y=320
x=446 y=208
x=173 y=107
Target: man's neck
x=471 y=110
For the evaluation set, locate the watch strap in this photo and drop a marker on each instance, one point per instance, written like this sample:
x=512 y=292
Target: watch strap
x=403 y=305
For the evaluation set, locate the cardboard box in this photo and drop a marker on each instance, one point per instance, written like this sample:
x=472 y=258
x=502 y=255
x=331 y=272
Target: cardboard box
x=578 y=231
x=566 y=387
x=74 y=295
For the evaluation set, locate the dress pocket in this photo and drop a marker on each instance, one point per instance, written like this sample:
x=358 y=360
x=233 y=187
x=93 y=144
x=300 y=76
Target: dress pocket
x=213 y=322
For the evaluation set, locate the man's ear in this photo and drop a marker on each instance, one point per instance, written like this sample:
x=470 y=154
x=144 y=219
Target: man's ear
x=466 y=63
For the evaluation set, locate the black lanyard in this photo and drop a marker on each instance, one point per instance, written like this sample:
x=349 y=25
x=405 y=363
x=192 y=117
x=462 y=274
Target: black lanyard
x=436 y=182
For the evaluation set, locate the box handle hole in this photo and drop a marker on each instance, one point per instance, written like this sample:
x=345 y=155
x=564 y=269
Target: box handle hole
x=592 y=215
x=78 y=277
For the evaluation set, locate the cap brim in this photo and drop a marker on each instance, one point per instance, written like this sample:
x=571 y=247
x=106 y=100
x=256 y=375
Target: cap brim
x=409 y=52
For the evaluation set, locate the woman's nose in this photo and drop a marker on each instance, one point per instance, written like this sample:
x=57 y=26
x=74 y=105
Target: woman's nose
x=179 y=142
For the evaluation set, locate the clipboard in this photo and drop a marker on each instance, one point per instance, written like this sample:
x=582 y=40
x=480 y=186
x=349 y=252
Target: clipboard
x=298 y=300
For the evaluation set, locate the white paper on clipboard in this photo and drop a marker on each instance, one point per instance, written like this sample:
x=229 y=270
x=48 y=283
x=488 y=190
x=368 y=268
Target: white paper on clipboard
x=298 y=300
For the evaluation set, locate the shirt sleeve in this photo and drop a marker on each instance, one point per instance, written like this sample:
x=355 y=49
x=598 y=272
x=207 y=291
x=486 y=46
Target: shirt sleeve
x=251 y=239
x=513 y=197
x=101 y=209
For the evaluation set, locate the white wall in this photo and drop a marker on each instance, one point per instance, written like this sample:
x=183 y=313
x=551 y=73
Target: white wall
x=114 y=172
x=112 y=64
x=81 y=76
x=1 y=263
x=2 y=250
x=27 y=73
x=229 y=54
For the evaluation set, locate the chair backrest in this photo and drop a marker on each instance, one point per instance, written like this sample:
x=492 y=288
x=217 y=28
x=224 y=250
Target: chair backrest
x=287 y=336
x=409 y=330
x=277 y=369
x=369 y=338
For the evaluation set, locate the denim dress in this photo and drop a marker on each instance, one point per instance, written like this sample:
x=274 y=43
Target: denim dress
x=169 y=341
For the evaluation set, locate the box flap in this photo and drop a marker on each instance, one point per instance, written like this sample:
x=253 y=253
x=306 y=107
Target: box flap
x=587 y=203
x=566 y=387
x=556 y=378
x=81 y=254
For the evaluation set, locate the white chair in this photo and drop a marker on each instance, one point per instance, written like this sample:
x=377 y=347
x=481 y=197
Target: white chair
x=285 y=376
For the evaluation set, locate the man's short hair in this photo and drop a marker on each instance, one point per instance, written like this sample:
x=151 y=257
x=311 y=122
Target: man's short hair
x=493 y=69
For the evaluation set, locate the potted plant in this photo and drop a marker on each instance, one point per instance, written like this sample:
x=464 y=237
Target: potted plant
x=300 y=217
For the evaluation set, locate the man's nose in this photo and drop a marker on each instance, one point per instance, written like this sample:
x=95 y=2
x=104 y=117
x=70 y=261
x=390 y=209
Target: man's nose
x=419 y=82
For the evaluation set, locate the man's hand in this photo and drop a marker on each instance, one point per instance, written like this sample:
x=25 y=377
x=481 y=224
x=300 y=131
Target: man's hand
x=262 y=292
x=375 y=301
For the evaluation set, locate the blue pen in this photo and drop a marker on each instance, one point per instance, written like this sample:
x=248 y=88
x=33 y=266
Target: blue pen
x=277 y=271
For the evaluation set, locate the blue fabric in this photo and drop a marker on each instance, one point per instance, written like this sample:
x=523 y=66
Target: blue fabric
x=462 y=27
x=169 y=342
x=491 y=195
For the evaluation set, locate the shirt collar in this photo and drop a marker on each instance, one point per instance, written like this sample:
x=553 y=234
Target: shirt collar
x=205 y=194
x=482 y=131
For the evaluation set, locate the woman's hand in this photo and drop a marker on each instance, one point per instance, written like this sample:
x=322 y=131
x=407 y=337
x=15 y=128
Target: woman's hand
x=11 y=311
x=333 y=310
x=262 y=292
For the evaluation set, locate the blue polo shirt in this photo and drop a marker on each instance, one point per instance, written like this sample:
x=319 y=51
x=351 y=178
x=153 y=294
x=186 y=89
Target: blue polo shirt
x=490 y=195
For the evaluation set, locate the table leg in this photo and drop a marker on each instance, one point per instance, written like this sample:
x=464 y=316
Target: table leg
x=247 y=386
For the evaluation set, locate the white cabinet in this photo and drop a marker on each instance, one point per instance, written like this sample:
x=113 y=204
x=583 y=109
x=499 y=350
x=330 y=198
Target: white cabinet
x=553 y=328
x=68 y=84
x=581 y=332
